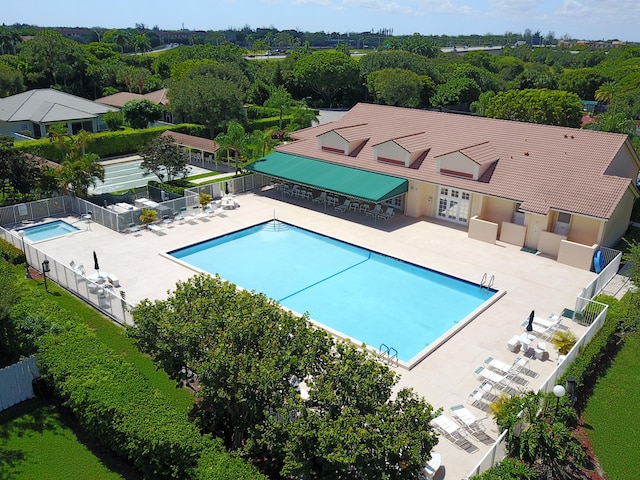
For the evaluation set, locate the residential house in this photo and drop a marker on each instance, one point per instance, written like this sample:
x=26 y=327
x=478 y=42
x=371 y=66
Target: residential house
x=158 y=97
x=30 y=114
x=562 y=192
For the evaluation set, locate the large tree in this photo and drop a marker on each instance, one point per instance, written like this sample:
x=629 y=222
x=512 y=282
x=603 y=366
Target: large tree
x=163 y=156
x=327 y=73
x=549 y=107
x=140 y=113
x=395 y=86
x=251 y=359
x=280 y=99
x=209 y=95
x=236 y=139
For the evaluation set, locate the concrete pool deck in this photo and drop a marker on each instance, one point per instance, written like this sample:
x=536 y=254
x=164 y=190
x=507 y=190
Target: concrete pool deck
x=445 y=378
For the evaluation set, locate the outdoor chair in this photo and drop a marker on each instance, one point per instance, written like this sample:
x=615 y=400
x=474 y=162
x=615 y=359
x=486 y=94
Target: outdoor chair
x=387 y=214
x=375 y=212
x=466 y=419
x=321 y=198
x=450 y=430
x=344 y=206
x=133 y=228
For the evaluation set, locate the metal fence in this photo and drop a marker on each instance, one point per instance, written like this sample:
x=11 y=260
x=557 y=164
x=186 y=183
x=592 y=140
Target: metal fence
x=104 y=299
x=26 y=212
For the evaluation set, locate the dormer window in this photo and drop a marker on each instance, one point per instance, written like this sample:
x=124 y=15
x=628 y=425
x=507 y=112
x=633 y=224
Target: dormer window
x=403 y=151
x=470 y=162
x=345 y=140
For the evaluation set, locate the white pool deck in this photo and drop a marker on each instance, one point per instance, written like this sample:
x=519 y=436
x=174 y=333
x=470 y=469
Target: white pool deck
x=445 y=378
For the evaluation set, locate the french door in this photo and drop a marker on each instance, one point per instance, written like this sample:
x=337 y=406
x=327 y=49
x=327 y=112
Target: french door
x=454 y=205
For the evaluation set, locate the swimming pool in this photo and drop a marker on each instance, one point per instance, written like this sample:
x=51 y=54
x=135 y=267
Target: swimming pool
x=365 y=296
x=48 y=230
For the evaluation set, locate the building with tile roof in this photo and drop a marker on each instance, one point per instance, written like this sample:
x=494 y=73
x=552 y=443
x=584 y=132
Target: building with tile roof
x=559 y=191
x=35 y=110
x=159 y=97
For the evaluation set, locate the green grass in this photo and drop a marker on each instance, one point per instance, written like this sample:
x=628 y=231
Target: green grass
x=37 y=442
x=114 y=336
x=612 y=414
x=202 y=175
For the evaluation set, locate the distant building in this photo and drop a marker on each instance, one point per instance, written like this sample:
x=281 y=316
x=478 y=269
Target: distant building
x=589 y=43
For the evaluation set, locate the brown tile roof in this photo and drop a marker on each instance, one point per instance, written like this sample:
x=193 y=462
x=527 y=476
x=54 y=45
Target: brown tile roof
x=197 y=143
x=119 y=99
x=353 y=133
x=481 y=154
x=544 y=167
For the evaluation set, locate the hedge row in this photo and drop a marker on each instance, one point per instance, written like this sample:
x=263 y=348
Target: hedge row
x=110 y=144
x=587 y=364
x=116 y=405
x=265 y=123
x=10 y=253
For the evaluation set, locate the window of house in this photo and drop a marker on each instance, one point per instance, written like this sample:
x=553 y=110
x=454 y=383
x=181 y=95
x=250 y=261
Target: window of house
x=562 y=223
x=518 y=215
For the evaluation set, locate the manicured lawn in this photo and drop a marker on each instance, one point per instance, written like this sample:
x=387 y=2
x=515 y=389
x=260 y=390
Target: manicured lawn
x=38 y=443
x=612 y=413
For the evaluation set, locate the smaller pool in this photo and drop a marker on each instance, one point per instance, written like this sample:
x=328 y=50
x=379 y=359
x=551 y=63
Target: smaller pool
x=48 y=230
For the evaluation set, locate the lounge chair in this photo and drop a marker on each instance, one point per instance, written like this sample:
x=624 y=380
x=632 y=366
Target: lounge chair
x=539 y=330
x=321 y=198
x=496 y=379
x=466 y=419
x=375 y=212
x=450 y=430
x=156 y=229
x=554 y=321
x=388 y=213
x=133 y=228
x=480 y=393
x=498 y=366
x=431 y=467
x=344 y=206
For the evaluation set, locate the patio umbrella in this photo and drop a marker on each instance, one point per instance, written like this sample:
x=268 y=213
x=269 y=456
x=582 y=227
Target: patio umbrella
x=95 y=262
x=530 y=324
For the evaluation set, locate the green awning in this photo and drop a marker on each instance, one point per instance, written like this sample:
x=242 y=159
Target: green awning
x=347 y=181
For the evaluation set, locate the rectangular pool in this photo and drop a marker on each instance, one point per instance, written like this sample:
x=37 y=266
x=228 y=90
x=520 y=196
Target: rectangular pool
x=48 y=230
x=366 y=296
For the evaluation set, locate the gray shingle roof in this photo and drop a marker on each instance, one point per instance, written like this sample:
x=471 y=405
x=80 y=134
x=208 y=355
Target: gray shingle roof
x=544 y=167
x=48 y=105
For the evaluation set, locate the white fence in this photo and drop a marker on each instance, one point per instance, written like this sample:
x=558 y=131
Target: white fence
x=15 y=382
x=497 y=452
x=612 y=259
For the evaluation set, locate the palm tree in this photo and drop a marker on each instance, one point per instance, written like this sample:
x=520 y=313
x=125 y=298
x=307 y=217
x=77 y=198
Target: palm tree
x=235 y=139
x=78 y=174
x=607 y=93
x=263 y=141
x=281 y=99
x=612 y=122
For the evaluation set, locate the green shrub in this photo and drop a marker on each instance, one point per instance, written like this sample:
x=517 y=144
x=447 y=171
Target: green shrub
x=265 y=123
x=108 y=144
x=116 y=405
x=10 y=253
x=113 y=120
x=508 y=469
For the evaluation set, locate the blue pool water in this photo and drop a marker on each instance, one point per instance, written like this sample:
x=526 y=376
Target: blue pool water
x=368 y=297
x=48 y=230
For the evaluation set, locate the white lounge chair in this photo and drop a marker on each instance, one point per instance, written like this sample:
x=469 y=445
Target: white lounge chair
x=156 y=229
x=344 y=206
x=496 y=379
x=388 y=213
x=321 y=198
x=480 y=393
x=468 y=420
x=450 y=430
x=133 y=228
x=375 y=212
x=431 y=467
x=499 y=366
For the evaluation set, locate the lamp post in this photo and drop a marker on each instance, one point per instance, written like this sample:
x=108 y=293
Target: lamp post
x=45 y=270
x=559 y=392
x=571 y=387
x=26 y=260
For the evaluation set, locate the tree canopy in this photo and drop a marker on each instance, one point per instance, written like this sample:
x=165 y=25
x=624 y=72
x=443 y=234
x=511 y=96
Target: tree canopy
x=327 y=73
x=550 y=107
x=140 y=113
x=162 y=156
x=252 y=358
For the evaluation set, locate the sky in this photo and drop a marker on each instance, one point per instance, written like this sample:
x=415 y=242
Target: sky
x=581 y=19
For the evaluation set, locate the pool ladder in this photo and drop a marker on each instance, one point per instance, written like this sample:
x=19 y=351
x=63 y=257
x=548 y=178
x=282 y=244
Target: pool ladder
x=484 y=283
x=389 y=355
x=275 y=226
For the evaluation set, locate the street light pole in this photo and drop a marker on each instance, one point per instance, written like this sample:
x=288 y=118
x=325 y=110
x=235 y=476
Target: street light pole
x=559 y=392
x=26 y=260
x=45 y=270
